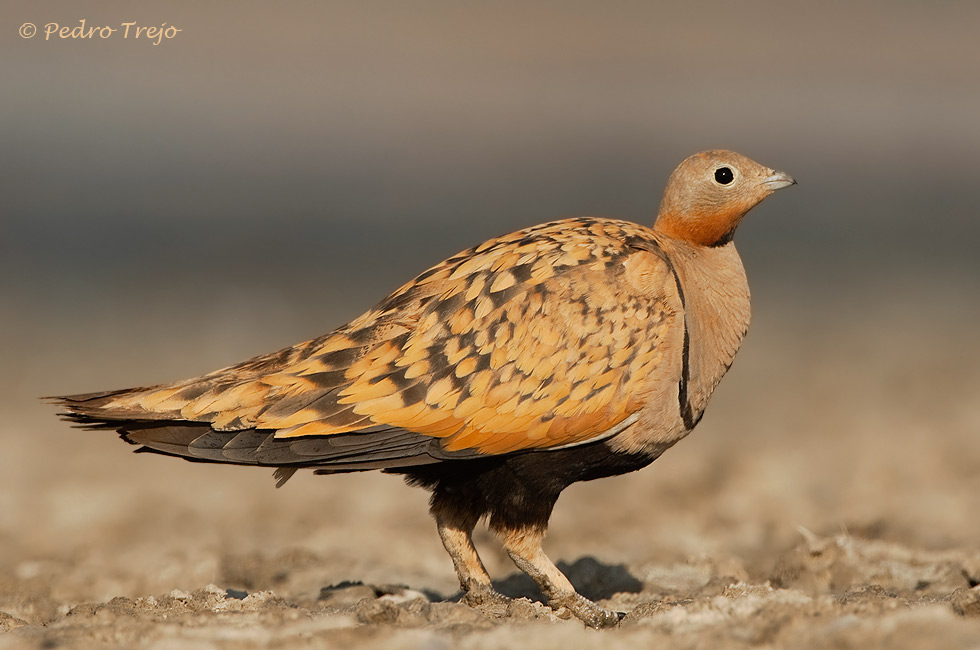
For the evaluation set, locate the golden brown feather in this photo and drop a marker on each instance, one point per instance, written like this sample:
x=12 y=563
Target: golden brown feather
x=480 y=351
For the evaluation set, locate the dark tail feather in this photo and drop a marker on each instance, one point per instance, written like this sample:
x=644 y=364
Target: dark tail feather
x=381 y=448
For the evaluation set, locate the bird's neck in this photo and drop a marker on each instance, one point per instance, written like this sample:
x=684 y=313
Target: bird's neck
x=711 y=230
x=717 y=311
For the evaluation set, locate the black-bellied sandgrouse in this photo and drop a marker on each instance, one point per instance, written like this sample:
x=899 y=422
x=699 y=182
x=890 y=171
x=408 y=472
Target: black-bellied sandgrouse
x=565 y=352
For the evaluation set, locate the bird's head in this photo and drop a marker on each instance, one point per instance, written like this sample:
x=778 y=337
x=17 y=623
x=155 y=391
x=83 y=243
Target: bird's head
x=710 y=192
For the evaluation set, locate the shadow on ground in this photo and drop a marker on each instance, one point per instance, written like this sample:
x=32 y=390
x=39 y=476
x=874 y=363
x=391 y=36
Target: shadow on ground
x=592 y=578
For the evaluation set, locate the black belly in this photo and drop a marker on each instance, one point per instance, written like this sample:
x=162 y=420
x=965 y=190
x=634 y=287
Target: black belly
x=517 y=490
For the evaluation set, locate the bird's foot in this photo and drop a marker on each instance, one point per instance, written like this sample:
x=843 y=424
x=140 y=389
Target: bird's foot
x=587 y=611
x=483 y=597
x=478 y=595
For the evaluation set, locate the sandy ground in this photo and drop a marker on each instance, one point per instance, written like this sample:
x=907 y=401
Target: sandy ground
x=829 y=499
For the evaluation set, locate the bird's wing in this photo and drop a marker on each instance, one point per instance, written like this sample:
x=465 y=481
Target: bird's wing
x=547 y=337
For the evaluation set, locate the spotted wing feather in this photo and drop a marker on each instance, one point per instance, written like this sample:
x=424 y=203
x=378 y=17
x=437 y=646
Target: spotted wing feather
x=540 y=339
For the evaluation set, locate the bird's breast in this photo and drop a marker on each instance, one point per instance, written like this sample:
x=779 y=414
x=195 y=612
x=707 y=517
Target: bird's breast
x=717 y=318
x=716 y=311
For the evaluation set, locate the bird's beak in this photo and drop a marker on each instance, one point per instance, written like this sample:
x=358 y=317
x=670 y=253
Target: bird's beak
x=778 y=180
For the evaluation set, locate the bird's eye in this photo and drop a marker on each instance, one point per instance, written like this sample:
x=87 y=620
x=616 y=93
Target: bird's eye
x=724 y=175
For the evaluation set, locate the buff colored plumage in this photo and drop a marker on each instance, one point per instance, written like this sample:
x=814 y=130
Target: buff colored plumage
x=567 y=351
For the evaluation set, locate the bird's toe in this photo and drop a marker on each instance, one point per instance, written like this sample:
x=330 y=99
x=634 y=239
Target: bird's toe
x=484 y=597
x=588 y=612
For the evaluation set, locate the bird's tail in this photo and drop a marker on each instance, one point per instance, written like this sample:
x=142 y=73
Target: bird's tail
x=372 y=448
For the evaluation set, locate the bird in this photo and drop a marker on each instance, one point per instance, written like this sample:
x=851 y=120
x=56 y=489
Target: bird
x=569 y=351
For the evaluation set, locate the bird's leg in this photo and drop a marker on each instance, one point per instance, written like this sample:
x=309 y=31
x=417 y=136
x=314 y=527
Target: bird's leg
x=524 y=547
x=456 y=534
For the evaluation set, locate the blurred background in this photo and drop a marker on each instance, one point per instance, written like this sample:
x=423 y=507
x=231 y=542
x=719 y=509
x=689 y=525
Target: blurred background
x=275 y=169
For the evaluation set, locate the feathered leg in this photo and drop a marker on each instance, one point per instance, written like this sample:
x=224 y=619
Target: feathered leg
x=523 y=544
x=456 y=532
